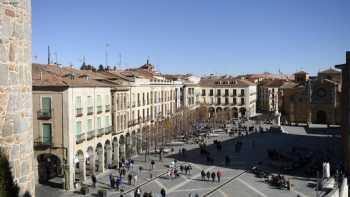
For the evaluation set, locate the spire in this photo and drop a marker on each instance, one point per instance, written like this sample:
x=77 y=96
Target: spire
x=48 y=55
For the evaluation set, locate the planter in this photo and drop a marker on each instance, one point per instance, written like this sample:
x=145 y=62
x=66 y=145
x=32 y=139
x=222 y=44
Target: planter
x=102 y=193
x=84 y=190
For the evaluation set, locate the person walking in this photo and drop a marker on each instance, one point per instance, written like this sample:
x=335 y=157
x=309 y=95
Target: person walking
x=117 y=183
x=152 y=164
x=137 y=192
x=135 y=179
x=129 y=179
x=208 y=175
x=162 y=192
x=213 y=176
x=189 y=168
x=111 y=180
x=93 y=178
x=218 y=174
x=182 y=168
x=203 y=175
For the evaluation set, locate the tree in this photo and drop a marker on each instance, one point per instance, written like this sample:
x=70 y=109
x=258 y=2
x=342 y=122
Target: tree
x=100 y=67
x=8 y=188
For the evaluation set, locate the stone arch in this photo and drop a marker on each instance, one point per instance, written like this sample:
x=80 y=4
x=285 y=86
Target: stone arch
x=321 y=117
x=235 y=112
x=108 y=154
x=79 y=160
x=90 y=161
x=242 y=111
x=211 y=111
x=122 y=148
x=49 y=166
x=99 y=158
x=115 y=150
x=218 y=109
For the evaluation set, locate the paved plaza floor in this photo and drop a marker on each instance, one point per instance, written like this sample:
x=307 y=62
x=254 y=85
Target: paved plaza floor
x=237 y=178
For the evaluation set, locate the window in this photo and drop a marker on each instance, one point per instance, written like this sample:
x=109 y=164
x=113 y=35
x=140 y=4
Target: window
x=203 y=92
x=234 y=101
x=89 y=101
x=46 y=104
x=147 y=98
x=242 y=92
x=99 y=100
x=89 y=124
x=107 y=99
x=107 y=121
x=219 y=92
x=242 y=101
x=234 y=92
x=77 y=127
x=226 y=92
x=138 y=99
x=47 y=133
x=211 y=92
x=99 y=123
x=78 y=102
x=219 y=101
x=226 y=101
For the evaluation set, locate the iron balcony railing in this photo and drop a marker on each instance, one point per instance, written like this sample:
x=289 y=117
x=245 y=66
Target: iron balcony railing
x=99 y=109
x=108 y=108
x=79 y=112
x=100 y=132
x=44 y=114
x=43 y=142
x=90 y=110
x=91 y=134
x=108 y=130
x=80 y=138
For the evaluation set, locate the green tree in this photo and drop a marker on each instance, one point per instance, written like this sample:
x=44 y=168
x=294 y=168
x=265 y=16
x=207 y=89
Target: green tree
x=8 y=188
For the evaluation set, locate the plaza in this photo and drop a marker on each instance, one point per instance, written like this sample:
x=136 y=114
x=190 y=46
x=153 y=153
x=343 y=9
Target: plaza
x=237 y=180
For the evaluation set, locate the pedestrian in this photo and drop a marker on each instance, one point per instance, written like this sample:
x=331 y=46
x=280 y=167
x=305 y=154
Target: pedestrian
x=93 y=178
x=182 y=168
x=117 y=183
x=219 y=175
x=190 y=194
x=111 y=180
x=140 y=169
x=162 y=192
x=152 y=164
x=208 y=175
x=186 y=169
x=203 y=175
x=197 y=195
x=189 y=168
x=213 y=176
x=129 y=179
x=135 y=179
x=137 y=192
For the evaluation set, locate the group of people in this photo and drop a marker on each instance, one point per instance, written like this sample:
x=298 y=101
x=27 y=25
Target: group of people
x=213 y=175
x=186 y=168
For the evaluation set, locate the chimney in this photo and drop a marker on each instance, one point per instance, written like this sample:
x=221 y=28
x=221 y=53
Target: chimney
x=348 y=57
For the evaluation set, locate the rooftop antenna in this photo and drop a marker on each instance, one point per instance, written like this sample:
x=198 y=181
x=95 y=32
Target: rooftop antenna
x=48 y=55
x=56 y=59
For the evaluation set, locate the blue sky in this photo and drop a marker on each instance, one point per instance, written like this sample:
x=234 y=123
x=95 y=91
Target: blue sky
x=195 y=36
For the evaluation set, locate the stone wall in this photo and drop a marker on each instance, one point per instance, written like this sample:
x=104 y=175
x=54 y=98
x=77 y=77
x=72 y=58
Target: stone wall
x=16 y=131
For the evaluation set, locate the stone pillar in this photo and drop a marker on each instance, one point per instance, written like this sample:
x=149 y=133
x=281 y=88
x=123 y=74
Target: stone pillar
x=122 y=151
x=100 y=159
x=16 y=130
x=108 y=156
x=82 y=168
x=116 y=154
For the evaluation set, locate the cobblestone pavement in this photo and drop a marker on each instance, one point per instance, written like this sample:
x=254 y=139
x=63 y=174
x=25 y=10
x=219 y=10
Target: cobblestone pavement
x=237 y=180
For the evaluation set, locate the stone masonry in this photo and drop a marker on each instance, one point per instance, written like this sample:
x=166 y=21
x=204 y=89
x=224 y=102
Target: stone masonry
x=16 y=131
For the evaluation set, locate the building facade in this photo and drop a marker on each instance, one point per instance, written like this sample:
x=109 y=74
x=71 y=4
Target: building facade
x=232 y=95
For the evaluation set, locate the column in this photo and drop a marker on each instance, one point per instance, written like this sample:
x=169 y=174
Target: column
x=116 y=154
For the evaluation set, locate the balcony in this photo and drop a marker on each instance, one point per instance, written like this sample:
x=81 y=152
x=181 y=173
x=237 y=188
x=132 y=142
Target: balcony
x=78 y=112
x=108 y=108
x=99 y=109
x=91 y=134
x=42 y=142
x=44 y=114
x=108 y=130
x=100 y=132
x=80 y=138
x=90 y=110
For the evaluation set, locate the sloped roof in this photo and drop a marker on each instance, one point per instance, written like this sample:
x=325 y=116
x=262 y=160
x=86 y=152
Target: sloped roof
x=54 y=75
x=301 y=72
x=330 y=71
x=275 y=83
